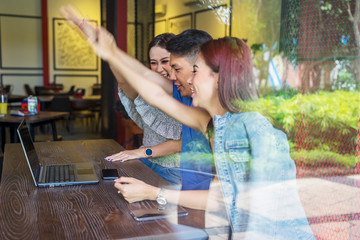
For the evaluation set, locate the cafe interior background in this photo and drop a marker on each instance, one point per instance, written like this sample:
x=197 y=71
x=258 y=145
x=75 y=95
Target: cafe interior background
x=38 y=48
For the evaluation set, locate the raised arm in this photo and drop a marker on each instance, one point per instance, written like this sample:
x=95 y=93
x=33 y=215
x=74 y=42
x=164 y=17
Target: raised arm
x=73 y=15
x=105 y=47
x=155 y=95
x=124 y=85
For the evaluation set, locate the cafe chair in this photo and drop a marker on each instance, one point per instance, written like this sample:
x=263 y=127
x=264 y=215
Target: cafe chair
x=56 y=86
x=62 y=104
x=43 y=91
x=71 y=91
x=8 y=89
x=96 y=89
x=82 y=108
x=133 y=134
x=96 y=109
x=28 y=90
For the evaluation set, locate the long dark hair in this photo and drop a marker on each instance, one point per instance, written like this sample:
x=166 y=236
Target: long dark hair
x=231 y=58
x=159 y=41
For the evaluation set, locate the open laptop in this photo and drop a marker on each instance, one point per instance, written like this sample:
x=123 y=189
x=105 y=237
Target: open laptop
x=53 y=175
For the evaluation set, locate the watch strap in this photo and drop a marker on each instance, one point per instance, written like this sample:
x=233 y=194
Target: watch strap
x=161 y=199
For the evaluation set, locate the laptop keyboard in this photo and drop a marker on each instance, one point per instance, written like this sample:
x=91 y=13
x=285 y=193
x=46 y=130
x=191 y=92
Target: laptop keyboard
x=60 y=173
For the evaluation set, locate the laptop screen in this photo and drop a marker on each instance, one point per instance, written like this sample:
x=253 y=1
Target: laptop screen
x=29 y=149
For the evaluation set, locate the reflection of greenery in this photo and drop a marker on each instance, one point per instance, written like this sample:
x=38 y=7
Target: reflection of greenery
x=339 y=109
x=256 y=47
x=316 y=34
x=289 y=29
x=259 y=23
x=345 y=79
x=287 y=93
x=320 y=157
x=327 y=120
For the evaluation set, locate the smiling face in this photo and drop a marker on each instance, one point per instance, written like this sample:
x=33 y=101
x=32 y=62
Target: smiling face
x=160 y=60
x=203 y=84
x=181 y=72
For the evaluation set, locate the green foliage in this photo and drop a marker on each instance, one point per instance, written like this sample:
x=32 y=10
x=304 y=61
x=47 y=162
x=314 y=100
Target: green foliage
x=345 y=77
x=325 y=121
x=320 y=157
x=274 y=92
x=338 y=109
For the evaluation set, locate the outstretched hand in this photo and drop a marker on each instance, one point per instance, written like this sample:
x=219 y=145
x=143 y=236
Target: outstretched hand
x=134 y=190
x=73 y=15
x=127 y=155
x=99 y=38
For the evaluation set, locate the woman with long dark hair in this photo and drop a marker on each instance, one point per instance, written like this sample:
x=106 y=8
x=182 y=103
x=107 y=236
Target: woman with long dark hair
x=161 y=141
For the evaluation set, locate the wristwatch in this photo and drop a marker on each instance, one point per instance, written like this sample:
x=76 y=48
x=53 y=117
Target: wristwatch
x=148 y=152
x=161 y=200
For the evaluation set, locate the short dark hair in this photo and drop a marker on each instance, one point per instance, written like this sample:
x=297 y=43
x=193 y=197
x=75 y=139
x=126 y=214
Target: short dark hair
x=187 y=44
x=159 y=41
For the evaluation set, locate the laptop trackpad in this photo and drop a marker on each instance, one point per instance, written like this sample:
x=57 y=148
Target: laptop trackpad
x=85 y=171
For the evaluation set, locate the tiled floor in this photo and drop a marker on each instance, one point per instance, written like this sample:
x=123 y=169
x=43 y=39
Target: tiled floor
x=332 y=206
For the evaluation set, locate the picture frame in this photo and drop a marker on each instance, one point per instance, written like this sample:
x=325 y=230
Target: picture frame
x=71 y=52
x=180 y=23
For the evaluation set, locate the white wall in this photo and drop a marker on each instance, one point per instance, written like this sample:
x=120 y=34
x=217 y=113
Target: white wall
x=20 y=7
x=20 y=49
x=21 y=45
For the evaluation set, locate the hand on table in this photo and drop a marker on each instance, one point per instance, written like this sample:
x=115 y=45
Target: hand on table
x=127 y=155
x=134 y=190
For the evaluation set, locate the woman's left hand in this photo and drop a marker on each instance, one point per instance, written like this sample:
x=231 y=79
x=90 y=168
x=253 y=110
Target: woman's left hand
x=134 y=190
x=127 y=155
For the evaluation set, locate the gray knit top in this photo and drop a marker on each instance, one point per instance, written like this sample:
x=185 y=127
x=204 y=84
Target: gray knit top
x=157 y=126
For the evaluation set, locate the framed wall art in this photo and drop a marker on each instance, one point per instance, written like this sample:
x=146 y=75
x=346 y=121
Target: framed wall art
x=180 y=23
x=70 y=50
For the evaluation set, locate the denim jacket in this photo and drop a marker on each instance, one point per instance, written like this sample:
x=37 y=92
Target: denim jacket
x=258 y=178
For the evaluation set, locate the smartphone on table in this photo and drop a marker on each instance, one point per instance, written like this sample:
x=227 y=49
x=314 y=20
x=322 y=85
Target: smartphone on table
x=110 y=174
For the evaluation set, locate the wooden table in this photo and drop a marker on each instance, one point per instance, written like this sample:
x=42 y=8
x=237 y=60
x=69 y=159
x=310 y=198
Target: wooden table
x=44 y=117
x=79 y=212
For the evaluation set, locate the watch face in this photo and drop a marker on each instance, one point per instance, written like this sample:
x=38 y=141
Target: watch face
x=161 y=200
x=148 y=152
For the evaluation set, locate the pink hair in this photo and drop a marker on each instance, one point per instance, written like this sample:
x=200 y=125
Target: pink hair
x=231 y=58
